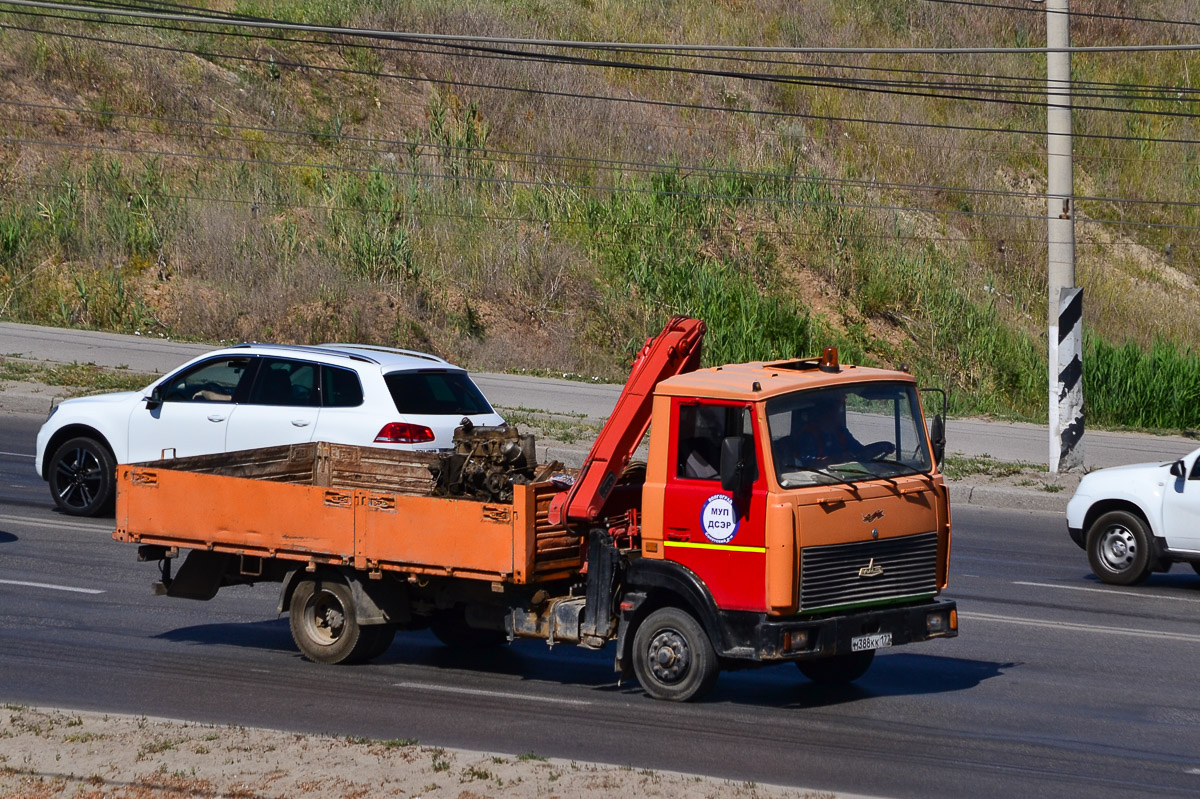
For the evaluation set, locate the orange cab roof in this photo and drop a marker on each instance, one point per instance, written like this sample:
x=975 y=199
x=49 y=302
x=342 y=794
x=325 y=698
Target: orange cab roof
x=760 y=380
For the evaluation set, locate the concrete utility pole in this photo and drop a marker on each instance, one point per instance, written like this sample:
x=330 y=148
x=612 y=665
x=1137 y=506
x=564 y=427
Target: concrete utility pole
x=1065 y=334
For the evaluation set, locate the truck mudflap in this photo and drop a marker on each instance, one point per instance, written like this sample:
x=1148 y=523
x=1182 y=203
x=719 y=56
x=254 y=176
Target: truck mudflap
x=772 y=640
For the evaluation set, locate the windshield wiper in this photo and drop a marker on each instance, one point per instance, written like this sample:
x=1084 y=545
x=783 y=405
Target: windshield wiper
x=893 y=462
x=824 y=472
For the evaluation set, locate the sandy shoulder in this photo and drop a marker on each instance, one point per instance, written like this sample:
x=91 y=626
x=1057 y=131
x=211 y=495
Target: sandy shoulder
x=52 y=753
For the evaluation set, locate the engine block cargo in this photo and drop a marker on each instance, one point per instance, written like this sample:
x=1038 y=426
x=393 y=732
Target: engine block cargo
x=787 y=511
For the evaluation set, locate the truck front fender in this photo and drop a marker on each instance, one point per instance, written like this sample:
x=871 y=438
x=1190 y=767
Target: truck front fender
x=652 y=584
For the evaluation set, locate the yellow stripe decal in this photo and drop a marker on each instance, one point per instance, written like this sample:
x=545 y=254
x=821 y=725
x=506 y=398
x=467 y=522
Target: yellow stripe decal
x=722 y=547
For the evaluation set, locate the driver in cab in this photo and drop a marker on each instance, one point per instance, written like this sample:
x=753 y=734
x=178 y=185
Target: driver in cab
x=824 y=438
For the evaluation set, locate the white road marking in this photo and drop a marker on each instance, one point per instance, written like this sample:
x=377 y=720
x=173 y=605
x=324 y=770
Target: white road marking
x=55 y=525
x=496 y=694
x=53 y=587
x=1083 y=628
x=1109 y=591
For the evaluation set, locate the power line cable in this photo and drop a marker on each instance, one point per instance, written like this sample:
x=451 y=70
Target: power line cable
x=596 y=45
x=1120 y=90
x=452 y=177
x=1081 y=14
x=769 y=113
x=903 y=88
x=604 y=164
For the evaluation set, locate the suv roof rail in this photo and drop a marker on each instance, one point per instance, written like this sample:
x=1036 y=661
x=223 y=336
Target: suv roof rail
x=393 y=350
x=321 y=349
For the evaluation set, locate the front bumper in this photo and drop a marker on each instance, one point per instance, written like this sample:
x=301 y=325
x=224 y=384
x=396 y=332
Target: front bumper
x=801 y=638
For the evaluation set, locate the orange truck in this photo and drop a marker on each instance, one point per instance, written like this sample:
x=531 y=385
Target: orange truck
x=787 y=511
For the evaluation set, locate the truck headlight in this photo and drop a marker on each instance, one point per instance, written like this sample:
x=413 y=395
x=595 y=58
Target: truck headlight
x=943 y=621
x=796 y=641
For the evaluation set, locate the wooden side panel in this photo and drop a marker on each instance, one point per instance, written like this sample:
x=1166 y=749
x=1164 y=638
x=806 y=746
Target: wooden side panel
x=432 y=535
x=558 y=552
x=319 y=464
x=288 y=464
x=206 y=511
x=378 y=469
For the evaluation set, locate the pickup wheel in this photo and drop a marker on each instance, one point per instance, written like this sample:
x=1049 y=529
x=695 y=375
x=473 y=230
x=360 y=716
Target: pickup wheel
x=838 y=669
x=1118 y=547
x=325 y=626
x=672 y=656
x=82 y=475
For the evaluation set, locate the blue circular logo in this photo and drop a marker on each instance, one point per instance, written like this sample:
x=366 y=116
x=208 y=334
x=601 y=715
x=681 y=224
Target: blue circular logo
x=719 y=519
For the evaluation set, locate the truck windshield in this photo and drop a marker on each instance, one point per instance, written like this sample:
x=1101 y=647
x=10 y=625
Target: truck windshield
x=847 y=433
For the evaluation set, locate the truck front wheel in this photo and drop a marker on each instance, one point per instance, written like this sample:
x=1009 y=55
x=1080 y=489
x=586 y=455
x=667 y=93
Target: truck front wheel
x=672 y=656
x=838 y=669
x=325 y=625
x=1118 y=547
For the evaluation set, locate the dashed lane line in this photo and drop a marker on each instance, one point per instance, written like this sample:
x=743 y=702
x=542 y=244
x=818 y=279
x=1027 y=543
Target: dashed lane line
x=1109 y=591
x=1083 y=628
x=53 y=587
x=29 y=521
x=449 y=689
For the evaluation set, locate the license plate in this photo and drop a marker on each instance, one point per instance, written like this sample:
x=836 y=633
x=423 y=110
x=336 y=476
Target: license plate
x=864 y=642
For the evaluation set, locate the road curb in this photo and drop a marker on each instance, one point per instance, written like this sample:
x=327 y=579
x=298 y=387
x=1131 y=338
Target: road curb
x=1008 y=498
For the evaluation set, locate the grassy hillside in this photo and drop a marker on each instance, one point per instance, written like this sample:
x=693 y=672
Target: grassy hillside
x=220 y=182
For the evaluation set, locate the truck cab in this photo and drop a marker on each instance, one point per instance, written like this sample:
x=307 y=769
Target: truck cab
x=792 y=493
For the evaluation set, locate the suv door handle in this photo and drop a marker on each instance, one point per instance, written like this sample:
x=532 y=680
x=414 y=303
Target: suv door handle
x=216 y=417
x=300 y=423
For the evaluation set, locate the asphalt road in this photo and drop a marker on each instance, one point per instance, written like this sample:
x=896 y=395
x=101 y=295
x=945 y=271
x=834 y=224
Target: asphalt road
x=970 y=437
x=1058 y=686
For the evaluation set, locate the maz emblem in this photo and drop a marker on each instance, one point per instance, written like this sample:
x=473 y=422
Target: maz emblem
x=873 y=516
x=870 y=570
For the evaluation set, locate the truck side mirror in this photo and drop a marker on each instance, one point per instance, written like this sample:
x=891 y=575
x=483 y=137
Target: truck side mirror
x=736 y=474
x=154 y=401
x=937 y=437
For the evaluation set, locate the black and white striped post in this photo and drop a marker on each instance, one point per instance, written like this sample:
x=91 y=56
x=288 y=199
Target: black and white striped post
x=1066 y=389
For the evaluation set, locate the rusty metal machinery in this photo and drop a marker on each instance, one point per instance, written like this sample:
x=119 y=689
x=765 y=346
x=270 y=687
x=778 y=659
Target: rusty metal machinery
x=486 y=463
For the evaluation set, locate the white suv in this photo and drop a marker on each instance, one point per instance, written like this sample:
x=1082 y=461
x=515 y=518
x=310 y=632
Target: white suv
x=256 y=395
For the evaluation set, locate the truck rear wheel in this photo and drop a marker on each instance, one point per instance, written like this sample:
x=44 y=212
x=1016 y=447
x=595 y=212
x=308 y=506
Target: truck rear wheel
x=672 y=656
x=1118 y=547
x=838 y=669
x=325 y=625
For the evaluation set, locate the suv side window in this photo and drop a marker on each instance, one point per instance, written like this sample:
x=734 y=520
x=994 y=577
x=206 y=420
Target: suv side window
x=285 y=382
x=340 y=388
x=218 y=380
x=701 y=430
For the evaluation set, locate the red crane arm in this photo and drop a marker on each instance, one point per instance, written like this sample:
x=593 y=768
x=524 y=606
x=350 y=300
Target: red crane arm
x=674 y=351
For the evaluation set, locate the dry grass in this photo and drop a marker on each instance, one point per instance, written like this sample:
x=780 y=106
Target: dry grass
x=458 y=253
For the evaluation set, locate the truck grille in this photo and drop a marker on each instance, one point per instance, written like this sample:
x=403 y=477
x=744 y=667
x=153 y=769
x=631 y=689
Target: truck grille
x=868 y=571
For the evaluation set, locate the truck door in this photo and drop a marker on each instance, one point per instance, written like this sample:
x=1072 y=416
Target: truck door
x=716 y=534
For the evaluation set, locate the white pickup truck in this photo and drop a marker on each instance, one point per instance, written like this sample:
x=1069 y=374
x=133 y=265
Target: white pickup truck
x=1137 y=519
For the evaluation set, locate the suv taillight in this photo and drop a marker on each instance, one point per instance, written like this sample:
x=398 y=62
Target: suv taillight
x=403 y=433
